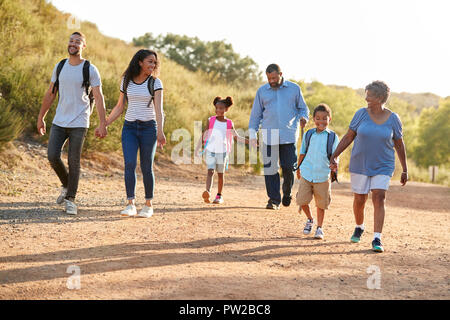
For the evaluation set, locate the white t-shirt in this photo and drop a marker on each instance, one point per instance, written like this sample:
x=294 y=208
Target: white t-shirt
x=73 y=110
x=138 y=100
x=217 y=142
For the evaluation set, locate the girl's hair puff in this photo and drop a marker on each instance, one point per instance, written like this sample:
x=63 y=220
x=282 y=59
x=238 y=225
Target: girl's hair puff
x=228 y=101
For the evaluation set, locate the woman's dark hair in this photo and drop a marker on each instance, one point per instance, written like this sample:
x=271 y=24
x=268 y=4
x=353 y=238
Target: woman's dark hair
x=323 y=108
x=134 y=69
x=228 y=101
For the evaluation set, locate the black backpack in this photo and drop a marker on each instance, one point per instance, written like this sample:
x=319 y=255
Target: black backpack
x=330 y=141
x=86 y=83
x=150 y=86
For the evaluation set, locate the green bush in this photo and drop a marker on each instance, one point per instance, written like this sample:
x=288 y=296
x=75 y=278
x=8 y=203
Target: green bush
x=11 y=124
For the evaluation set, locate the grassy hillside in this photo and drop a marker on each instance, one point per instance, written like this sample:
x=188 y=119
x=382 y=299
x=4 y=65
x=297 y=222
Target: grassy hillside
x=34 y=37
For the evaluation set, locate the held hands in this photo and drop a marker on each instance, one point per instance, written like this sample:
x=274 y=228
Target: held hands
x=253 y=143
x=101 y=131
x=334 y=164
x=299 y=175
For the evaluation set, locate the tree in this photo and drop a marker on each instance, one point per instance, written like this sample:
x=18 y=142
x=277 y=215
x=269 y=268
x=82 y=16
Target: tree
x=216 y=58
x=433 y=146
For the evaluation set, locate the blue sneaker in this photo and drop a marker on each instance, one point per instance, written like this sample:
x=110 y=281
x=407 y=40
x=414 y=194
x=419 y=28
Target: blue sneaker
x=377 y=246
x=356 y=235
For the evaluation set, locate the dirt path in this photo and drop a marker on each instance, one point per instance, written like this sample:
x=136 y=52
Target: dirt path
x=192 y=250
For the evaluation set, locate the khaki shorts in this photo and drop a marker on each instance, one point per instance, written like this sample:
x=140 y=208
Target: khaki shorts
x=321 y=192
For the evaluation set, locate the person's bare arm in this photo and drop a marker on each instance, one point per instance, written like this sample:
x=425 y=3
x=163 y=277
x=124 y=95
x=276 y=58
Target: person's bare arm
x=101 y=130
x=239 y=138
x=116 y=111
x=343 y=144
x=200 y=140
x=299 y=162
x=158 y=103
x=399 y=146
x=49 y=97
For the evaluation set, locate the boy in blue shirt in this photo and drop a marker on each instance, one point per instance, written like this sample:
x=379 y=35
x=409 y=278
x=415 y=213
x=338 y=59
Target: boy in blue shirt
x=314 y=171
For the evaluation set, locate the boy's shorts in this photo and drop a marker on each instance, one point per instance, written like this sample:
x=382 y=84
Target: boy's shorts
x=321 y=192
x=362 y=184
x=216 y=161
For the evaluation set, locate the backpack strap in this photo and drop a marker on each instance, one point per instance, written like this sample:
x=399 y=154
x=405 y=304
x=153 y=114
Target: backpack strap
x=306 y=141
x=151 y=89
x=330 y=141
x=308 y=136
x=87 y=84
x=58 y=71
x=211 y=121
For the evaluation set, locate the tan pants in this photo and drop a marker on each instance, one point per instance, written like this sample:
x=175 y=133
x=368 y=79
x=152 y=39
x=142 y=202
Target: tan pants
x=321 y=192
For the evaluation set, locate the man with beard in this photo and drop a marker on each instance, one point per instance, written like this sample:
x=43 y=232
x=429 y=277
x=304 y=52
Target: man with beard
x=71 y=121
x=278 y=108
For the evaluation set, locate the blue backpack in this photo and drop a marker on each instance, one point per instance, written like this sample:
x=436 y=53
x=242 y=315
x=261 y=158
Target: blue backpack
x=330 y=141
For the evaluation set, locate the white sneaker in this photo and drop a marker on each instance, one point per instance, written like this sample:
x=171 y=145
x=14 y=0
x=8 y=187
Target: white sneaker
x=71 y=207
x=129 y=211
x=146 y=212
x=319 y=234
x=61 y=196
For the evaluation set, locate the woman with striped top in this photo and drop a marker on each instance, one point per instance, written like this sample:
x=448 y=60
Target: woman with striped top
x=143 y=126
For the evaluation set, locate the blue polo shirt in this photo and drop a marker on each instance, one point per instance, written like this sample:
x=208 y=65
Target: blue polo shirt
x=280 y=109
x=316 y=166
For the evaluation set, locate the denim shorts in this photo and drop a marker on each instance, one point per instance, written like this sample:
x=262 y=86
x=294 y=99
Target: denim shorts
x=216 y=161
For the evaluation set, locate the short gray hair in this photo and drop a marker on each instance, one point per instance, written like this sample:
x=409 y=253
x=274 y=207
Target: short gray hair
x=379 y=89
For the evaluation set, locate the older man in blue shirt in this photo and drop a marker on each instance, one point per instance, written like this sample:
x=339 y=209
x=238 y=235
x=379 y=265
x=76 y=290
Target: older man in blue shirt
x=278 y=108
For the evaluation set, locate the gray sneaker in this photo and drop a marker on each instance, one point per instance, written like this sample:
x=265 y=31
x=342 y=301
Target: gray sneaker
x=61 y=196
x=308 y=226
x=71 y=207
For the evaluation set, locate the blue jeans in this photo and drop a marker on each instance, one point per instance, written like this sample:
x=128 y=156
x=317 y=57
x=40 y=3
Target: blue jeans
x=286 y=154
x=139 y=135
x=58 y=136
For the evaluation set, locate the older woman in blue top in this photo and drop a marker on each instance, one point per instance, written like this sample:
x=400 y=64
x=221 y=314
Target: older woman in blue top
x=377 y=131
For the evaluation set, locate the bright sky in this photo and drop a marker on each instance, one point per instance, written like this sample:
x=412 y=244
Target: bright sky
x=349 y=42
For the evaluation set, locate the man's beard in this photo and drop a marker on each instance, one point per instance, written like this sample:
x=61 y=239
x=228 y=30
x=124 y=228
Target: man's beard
x=275 y=84
x=73 y=53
